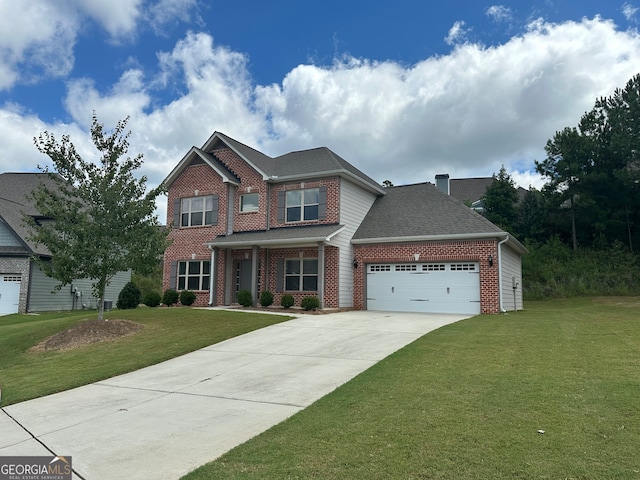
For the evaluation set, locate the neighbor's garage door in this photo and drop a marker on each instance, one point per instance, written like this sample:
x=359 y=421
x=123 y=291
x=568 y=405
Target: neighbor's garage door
x=9 y=293
x=429 y=287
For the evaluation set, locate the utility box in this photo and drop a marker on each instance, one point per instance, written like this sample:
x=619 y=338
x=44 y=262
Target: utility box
x=108 y=305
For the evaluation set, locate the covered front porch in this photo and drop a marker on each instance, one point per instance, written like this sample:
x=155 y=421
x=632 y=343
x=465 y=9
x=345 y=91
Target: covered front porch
x=300 y=261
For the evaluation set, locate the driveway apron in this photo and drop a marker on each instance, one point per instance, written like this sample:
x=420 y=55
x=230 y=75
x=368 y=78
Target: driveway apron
x=165 y=420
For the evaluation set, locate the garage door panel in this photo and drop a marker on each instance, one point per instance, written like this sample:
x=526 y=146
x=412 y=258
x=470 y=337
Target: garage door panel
x=9 y=293
x=433 y=288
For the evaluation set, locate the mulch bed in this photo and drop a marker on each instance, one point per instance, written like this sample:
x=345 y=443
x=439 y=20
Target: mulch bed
x=88 y=332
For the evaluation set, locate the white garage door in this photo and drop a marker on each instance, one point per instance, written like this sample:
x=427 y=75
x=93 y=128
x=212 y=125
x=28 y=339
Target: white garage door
x=428 y=287
x=9 y=293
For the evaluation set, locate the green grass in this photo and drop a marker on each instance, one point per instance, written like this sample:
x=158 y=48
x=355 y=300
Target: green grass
x=467 y=402
x=168 y=332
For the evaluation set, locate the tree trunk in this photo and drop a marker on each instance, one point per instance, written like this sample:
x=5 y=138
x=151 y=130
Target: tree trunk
x=574 y=236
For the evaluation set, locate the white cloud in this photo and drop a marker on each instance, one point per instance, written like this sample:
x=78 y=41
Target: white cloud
x=465 y=113
x=629 y=11
x=457 y=33
x=499 y=13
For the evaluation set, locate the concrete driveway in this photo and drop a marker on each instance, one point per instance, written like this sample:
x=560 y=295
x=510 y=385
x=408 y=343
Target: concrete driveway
x=165 y=420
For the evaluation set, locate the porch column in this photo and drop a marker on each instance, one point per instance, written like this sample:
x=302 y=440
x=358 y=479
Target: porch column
x=254 y=274
x=321 y=274
x=213 y=277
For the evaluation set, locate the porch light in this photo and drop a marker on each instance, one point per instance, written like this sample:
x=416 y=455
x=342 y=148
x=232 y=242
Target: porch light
x=355 y=262
x=490 y=260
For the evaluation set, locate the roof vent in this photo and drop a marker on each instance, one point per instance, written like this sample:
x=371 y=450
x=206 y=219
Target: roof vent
x=442 y=182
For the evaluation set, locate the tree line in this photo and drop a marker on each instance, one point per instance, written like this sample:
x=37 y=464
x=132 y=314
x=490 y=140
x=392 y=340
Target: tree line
x=591 y=199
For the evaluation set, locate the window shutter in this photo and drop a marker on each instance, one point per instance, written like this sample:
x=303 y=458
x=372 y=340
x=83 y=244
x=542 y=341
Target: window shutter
x=322 y=203
x=173 y=275
x=280 y=275
x=214 y=220
x=176 y=213
x=281 y=206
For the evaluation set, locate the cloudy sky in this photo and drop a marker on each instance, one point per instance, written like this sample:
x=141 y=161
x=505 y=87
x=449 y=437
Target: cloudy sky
x=403 y=89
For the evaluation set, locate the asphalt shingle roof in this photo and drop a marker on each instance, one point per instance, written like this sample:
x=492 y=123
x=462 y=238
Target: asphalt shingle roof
x=14 y=200
x=421 y=210
x=303 y=234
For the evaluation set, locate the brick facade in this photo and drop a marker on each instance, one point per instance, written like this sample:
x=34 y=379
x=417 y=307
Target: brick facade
x=449 y=251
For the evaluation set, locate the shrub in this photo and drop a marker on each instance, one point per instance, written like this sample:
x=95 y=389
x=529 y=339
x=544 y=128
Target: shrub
x=151 y=299
x=310 y=303
x=170 y=297
x=266 y=298
x=129 y=297
x=187 y=297
x=244 y=298
x=287 y=301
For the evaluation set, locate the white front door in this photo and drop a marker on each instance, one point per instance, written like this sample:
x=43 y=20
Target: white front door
x=9 y=293
x=424 y=287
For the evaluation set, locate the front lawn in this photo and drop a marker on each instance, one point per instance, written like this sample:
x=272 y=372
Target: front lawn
x=552 y=392
x=167 y=333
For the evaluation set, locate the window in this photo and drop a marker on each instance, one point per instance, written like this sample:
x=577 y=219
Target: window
x=193 y=275
x=463 y=267
x=302 y=205
x=301 y=274
x=249 y=202
x=196 y=211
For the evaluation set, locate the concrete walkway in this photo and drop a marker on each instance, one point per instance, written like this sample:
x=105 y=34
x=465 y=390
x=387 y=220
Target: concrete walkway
x=163 y=421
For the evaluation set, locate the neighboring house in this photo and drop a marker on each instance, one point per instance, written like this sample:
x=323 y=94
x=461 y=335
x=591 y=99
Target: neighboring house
x=308 y=223
x=470 y=191
x=23 y=285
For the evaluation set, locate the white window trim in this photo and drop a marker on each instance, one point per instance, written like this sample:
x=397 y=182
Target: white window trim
x=300 y=275
x=189 y=212
x=186 y=276
x=302 y=206
x=252 y=209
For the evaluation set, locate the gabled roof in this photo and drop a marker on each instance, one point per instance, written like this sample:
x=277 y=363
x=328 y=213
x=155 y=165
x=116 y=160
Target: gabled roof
x=14 y=192
x=198 y=155
x=300 y=165
x=421 y=212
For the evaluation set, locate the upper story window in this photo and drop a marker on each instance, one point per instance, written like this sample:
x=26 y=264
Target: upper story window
x=197 y=211
x=302 y=205
x=249 y=202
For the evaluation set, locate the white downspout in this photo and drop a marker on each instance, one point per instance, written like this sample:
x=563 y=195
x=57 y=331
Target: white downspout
x=500 y=271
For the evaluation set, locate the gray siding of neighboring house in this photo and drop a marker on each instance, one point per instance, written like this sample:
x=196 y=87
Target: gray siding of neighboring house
x=43 y=296
x=511 y=267
x=7 y=238
x=354 y=205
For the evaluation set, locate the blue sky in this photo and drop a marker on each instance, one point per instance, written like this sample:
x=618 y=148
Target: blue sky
x=402 y=89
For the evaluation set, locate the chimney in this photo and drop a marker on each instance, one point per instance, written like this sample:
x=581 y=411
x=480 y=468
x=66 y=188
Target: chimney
x=442 y=182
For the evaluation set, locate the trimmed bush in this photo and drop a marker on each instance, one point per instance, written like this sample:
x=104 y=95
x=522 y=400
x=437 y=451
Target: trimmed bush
x=151 y=299
x=187 y=297
x=287 y=301
x=244 y=298
x=129 y=297
x=170 y=297
x=266 y=298
x=310 y=303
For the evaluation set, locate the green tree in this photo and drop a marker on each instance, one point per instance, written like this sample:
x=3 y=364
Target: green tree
x=101 y=220
x=568 y=154
x=500 y=200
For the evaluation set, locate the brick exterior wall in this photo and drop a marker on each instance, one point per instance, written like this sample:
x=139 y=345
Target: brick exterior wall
x=333 y=200
x=450 y=251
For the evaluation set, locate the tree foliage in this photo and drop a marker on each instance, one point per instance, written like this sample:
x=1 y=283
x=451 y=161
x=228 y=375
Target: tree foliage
x=101 y=217
x=500 y=200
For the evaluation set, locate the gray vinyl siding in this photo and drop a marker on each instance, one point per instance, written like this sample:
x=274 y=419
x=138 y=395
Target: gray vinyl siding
x=511 y=267
x=354 y=205
x=43 y=296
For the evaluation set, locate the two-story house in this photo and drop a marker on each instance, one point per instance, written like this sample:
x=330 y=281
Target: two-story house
x=308 y=223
